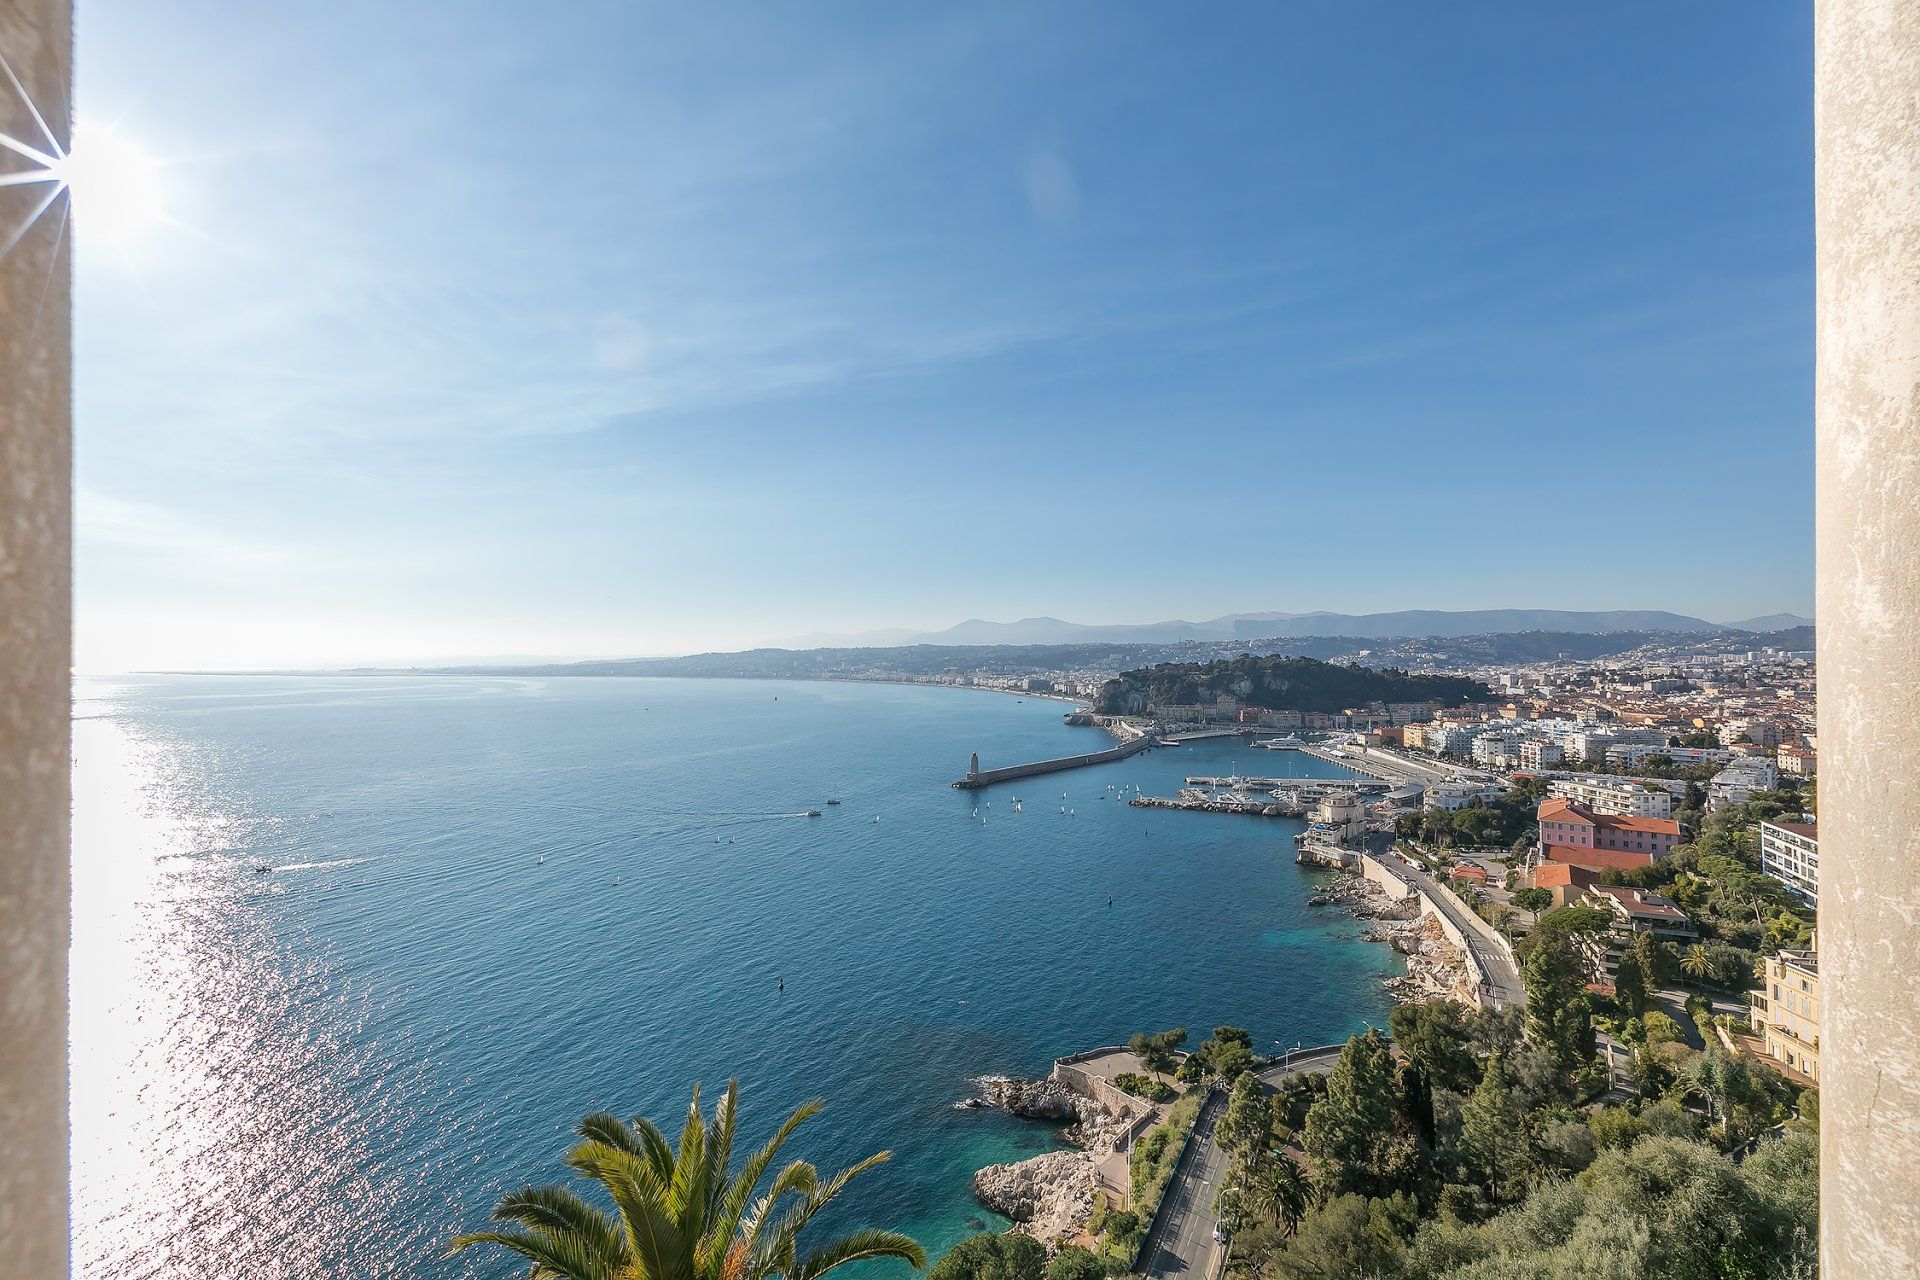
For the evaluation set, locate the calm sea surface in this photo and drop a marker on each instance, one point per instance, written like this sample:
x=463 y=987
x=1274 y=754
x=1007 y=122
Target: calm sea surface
x=497 y=904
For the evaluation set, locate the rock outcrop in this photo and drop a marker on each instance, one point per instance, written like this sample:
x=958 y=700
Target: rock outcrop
x=1049 y=1196
x=1043 y=1099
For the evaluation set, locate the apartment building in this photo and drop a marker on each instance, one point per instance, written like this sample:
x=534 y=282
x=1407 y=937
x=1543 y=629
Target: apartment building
x=1571 y=832
x=1790 y=853
x=1786 y=1011
x=1631 y=912
x=1621 y=798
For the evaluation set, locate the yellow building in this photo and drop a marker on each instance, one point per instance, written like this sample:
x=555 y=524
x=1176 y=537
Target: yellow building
x=1786 y=1011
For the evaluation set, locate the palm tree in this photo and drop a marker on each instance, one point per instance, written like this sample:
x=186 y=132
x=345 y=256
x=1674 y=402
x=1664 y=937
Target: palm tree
x=683 y=1214
x=1696 y=963
x=1277 y=1188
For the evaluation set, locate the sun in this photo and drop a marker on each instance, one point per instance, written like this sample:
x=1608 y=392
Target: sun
x=117 y=192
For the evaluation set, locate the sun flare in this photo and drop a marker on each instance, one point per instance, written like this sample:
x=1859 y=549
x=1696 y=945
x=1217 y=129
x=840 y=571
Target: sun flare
x=115 y=184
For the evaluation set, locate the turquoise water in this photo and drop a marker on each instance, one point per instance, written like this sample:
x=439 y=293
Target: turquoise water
x=323 y=1071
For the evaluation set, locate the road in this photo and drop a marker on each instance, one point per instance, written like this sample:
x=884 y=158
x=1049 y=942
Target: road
x=1502 y=978
x=1316 y=1061
x=1182 y=1243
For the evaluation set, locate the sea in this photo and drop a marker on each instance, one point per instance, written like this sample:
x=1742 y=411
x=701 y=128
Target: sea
x=353 y=954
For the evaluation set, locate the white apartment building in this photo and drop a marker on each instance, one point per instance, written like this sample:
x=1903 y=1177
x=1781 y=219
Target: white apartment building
x=1628 y=754
x=1536 y=754
x=1790 y=853
x=1737 y=783
x=1620 y=797
x=1458 y=795
x=1496 y=751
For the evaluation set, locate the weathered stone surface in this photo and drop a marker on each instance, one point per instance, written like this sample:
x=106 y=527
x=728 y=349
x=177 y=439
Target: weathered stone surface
x=36 y=468
x=1867 y=216
x=1048 y=1195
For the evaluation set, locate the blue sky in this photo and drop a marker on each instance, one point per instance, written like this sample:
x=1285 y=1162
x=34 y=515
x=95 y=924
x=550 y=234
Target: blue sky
x=586 y=329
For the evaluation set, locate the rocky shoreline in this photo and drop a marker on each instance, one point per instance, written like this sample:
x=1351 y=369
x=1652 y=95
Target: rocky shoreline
x=1436 y=969
x=1048 y=1196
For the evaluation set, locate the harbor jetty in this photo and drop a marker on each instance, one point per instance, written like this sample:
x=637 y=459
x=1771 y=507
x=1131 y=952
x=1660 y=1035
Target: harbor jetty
x=978 y=777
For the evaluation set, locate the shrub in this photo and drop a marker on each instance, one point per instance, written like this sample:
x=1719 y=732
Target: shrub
x=1145 y=1087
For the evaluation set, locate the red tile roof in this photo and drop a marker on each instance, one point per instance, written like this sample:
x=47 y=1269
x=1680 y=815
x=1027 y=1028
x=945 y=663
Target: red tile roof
x=1561 y=809
x=1563 y=875
x=1598 y=859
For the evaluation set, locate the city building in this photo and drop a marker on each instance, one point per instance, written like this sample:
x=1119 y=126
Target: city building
x=1565 y=881
x=1790 y=853
x=1628 y=754
x=1619 y=797
x=1801 y=762
x=1458 y=795
x=1786 y=1011
x=1536 y=754
x=1631 y=912
x=1571 y=832
x=1737 y=783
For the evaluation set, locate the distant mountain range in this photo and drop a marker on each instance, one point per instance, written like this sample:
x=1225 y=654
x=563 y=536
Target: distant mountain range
x=1260 y=626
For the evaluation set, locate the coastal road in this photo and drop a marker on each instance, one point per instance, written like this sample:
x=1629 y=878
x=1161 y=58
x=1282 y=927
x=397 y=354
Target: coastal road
x=1182 y=1243
x=1502 y=979
x=1313 y=1061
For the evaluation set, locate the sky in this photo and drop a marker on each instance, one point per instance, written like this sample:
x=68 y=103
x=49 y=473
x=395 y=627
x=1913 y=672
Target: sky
x=464 y=329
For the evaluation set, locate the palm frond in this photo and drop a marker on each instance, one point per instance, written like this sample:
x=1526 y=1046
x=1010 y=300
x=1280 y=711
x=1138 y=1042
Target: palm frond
x=554 y=1256
x=859 y=1247
x=559 y=1210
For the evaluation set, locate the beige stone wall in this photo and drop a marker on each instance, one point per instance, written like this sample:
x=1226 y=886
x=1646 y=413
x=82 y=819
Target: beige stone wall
x=1867 y=209
x=35 y=606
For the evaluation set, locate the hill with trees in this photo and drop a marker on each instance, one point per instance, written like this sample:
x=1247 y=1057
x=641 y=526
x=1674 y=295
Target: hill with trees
x=1278 y=684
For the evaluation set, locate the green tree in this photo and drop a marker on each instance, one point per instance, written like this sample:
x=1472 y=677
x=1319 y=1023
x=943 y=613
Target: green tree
x=1278 y=1190
x=1555 y=975
x=1697 y=964
x=1158 y=1052
x=1123 y=1227
x=1075 y=1263
x=1493 y=1136
x=1248 y=1123
x=1630 y=986
x=1350 y=1237
x=1567 y=922
x=987 y=1256
x=1656 y=959
x=1432 y=1039
x=1357 y=1137
x=1533 y=899
x=683 y=1211
x=1228 y=1053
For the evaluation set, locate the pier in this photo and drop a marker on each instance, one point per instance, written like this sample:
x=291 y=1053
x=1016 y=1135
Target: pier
x=978 y=777
x=1274 y=808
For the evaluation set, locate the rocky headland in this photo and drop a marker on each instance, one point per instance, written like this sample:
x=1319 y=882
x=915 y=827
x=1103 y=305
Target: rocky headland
x=1049 y=1196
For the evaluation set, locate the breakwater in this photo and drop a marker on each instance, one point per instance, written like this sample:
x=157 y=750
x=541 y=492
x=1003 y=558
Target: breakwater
x=978 y=777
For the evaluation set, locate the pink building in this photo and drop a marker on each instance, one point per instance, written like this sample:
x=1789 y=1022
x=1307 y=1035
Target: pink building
x=1567 y=825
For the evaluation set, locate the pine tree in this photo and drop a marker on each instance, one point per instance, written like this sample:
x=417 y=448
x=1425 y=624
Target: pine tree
x=1555 y=974
x=1357 y=1137
x=1493 y=1135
